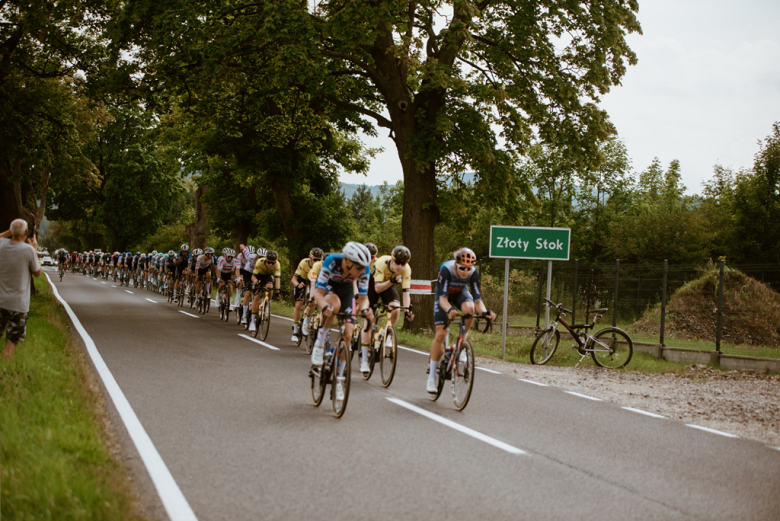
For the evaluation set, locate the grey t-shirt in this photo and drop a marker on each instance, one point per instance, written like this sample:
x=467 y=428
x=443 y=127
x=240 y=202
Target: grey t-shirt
x=18 y=261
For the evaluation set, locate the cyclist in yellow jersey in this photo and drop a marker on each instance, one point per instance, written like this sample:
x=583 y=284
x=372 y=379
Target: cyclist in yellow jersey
x=299 y=280
x=388 y=271
x=266 y=275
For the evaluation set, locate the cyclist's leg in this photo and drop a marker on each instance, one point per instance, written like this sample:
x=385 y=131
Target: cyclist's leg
x=334 y=305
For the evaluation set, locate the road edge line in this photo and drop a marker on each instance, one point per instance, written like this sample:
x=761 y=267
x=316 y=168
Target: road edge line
x=176 y=505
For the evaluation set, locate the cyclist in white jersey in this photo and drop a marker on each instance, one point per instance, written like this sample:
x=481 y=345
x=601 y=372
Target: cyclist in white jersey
x=225 y=268
x=249 y=259
x=205 y=265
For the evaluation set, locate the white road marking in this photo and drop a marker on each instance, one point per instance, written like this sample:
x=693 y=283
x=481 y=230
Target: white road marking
x=113 y=286
x=189 y=314
x=256 y=341
x=583 y=396
x=173 y=500
x=152 y=301
x=640 y=411
x=102 y=282
x=776 y=448
x=488 y=370
x=458 y=427
x=413 y=350
x=532 y=382
x=128 y=291
x=285 y=318
x=713 y=431
x=94 y=278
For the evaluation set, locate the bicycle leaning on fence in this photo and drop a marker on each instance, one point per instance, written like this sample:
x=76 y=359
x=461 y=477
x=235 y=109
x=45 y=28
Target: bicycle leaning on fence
x=610 y=347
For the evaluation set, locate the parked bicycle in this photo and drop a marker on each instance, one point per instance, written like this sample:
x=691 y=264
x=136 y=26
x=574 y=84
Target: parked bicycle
x=610 y=347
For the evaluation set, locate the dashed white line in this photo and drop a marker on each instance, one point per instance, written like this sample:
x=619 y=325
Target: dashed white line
x=189 y=314
x=102 y=282
x=488 y=370
x=413 y=350
x=280 y=316
x=113 y=286
x=458 y=427
x=128 y=291
x=583 y=396
x=256 y=341
x=152 y=301
x=776 y=448
x=540 y=384
x=713 y=431
x=640 y=411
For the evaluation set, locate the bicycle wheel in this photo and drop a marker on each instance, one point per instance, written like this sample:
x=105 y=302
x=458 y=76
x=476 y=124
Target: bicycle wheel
x=258 y=322
x=206 y=303
x=318 y=379
x=221 y=307
x=170 y=295
x=441 y=373
x=265 y=323
x=544 y=346
x=612 y=348
x=312 y=337
x=388 y=357
x=239 y=311
x=463 y=375
x=339 y=406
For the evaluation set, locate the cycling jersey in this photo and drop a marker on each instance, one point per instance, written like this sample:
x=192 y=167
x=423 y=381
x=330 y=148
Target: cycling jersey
x=249 y=260
x=332 y=274
x=303 y=269
x=261 y=268
x=382 y=272
x=451 y=285
x=315 y=271
x=204 y=261
x=226 y=266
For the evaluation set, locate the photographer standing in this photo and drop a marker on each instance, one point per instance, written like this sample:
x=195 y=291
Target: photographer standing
x=18 y=259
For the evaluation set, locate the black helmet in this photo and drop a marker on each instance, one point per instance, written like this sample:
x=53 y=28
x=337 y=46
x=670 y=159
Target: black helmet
x=401 y=254
x=271 y=256
x=316 y=253
x=371 y=248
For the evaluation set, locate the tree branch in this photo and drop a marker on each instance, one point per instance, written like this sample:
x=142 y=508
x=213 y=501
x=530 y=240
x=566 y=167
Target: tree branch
x=380 y=120
x=353 y=59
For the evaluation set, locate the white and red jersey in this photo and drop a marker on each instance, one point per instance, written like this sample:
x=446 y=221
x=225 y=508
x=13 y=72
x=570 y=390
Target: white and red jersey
x=249 y=260
x=204 y=261
x=225 y=266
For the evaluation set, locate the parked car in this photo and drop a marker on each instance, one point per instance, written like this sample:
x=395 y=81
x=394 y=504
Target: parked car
x=47 y=261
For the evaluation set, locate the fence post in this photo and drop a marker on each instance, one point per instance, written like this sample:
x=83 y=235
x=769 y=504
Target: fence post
x=574 y=300
x=663 y=301
x=617 y=280
x=719 y=327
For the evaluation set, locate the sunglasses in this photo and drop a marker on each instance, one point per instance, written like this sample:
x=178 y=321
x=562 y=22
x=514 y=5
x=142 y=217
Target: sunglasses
x=464 y=268
x=270 y=263
x=399 y=263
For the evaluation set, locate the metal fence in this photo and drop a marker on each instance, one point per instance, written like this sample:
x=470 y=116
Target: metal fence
x=636 y=295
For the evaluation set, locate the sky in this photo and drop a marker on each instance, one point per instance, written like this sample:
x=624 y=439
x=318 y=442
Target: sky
x=705 y=90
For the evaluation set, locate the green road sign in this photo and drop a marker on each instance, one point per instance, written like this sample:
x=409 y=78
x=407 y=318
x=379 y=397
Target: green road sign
x=529 y=242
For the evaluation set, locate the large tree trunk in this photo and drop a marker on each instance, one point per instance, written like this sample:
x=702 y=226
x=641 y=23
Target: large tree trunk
x=198 y=232
x=284 y=205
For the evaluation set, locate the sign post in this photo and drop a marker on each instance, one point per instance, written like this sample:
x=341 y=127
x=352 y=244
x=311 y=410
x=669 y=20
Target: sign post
x=530 y=243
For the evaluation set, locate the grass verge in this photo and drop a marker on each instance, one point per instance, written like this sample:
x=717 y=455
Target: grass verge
x=58 y=457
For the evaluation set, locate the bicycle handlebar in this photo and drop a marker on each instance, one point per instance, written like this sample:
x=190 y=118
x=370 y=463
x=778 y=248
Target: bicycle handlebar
x=559 y=307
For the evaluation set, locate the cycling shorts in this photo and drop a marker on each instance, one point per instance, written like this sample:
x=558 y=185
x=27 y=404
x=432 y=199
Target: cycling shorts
x=203 y=271
x=387 y=296
x=346 y=294
x=264 y=280
x=440 y=316
x=226 y=276
x=247 y=276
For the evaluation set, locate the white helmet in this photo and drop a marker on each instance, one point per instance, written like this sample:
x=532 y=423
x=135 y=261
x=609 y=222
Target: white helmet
x=208 y=250
x=251 y=250
x=262 y=252
x=230 y=252
x=171 y=253
x=357 y=253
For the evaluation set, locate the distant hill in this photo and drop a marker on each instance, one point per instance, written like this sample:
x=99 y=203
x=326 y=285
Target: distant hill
x=350 y=189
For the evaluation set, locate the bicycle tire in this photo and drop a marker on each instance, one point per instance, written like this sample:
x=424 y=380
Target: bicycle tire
x=339 y=406
x=388 y=357
x=265 y=323
x=463 y=372
x=248 y=317
x=441 y=377
x=206 y=304
x=544 y=346
x=299 y=336
x=239 y=310
x=313 y=330
x=317 y=384
x=258 y=323
x=221 y=308
x=372 y=356
x=619 y=355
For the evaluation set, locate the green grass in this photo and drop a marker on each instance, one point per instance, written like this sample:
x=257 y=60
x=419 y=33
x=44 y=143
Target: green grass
x=54 y=457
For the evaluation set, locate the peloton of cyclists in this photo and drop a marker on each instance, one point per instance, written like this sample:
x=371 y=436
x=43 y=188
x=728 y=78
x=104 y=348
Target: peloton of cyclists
x=299 y=281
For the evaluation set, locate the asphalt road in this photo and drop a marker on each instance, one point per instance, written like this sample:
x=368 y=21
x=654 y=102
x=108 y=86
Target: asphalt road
x=234 y=423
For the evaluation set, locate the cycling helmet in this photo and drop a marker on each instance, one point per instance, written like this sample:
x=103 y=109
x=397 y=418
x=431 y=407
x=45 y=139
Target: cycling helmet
x=262 y=252
x=154 y=252
x=229 y=252
x=316 y=253
x=271 y=256
x=372 y=249
x=357 y=253
x=208 y=250
x=225 y=250
x=184 y=247
x=171 y=253
x=465 y=257
x=143 y=255
x=250 y=249
x=197 y=251
x=401 y=254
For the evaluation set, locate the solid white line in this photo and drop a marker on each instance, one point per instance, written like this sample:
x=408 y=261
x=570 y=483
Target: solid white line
x=532 y=382
x=285 y=318
x=583 y=396
x=413 y=350
x=189 y=314
x=128 y=291
x=171 y=496
x=94 y=278
x=113 y=286
x=640 y=411
x=776 y=448
x=256 y=341
x=713 y=431
x=458 y=427
x=153 y=301
x=488 y=370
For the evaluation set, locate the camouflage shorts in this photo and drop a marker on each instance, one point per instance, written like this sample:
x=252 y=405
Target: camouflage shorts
x=14 y=324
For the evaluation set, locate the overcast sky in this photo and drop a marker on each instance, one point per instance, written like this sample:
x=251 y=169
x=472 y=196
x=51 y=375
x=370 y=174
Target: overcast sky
x=705 y=90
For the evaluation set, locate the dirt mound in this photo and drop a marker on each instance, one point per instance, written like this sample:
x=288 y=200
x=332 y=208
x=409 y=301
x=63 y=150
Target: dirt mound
x=751 y=311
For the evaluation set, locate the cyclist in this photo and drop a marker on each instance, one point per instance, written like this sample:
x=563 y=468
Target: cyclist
x=62 y=261
x=299 y=281
x=226 y=265
x=266 y=275
x=452 y=294
x=75 y=259
x=249 y=259
x=386 y=272
x=181 y=262
x=205 y=265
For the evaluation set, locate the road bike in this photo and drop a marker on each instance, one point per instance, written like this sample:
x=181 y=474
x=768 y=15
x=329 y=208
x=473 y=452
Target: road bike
x=315 y=321
x=306 y=297
x=182 y=291
x=610 y=347
x=224 y=302
x=263 y=322
x=457 y=365
x=61 y=269
x=328 y=373
x=204 y=297
x=383 y=348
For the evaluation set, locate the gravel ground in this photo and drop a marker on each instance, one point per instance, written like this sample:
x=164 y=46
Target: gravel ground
x=745 y=404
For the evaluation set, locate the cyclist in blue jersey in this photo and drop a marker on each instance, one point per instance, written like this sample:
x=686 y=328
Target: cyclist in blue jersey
x=334 y=292
x=452 y=294
x=181 y=262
